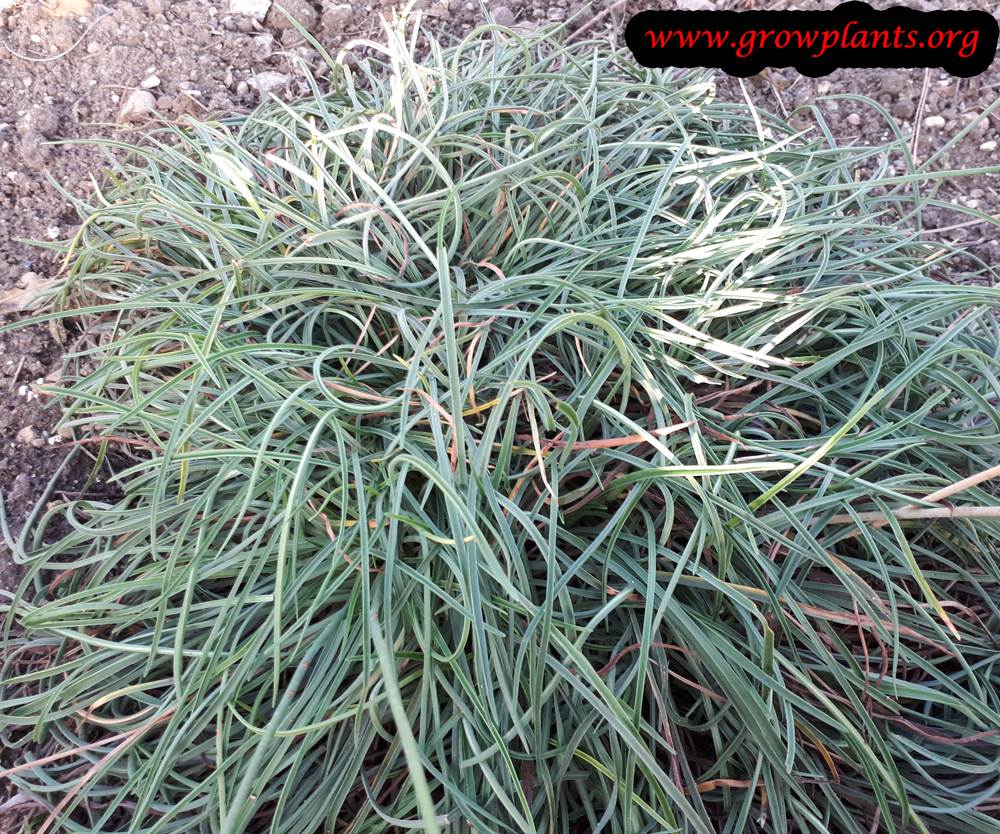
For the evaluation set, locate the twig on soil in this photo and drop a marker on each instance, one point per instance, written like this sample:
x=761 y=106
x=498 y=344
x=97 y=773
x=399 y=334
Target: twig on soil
x=915 y=141
x=17 y=374
x=595 y=19
x=977 y=222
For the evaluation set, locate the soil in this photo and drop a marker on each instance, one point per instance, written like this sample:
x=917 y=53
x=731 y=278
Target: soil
x=68 y=67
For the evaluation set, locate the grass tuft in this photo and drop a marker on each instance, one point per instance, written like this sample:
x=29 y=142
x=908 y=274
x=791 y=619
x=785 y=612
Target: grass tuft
x=515 y=440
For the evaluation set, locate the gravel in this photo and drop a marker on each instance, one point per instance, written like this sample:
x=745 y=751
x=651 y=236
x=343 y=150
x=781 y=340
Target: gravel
x=138 y=105
x=257 y=9
x=302 y=11
x=268 y=81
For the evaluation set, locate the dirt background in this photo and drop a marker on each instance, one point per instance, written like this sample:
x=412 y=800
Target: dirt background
x=69 y=68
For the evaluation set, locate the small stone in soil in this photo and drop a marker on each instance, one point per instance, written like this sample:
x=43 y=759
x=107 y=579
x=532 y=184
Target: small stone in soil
x=301 y=11
x=257 y=9
x=21 y=488
x=854 y=120
x=43 y=119
x=29 y=437
x=69 y=8
x=34 y=153
x=503 y=16
x=580 y=13
x=934 y=122
x=269 y=80
x=335 y=18
x=988 y=146
x=291 y=38
x=262 y=46
x=138 y=105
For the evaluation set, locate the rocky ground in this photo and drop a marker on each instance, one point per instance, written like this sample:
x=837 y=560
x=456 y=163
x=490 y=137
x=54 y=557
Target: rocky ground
x=77 y=69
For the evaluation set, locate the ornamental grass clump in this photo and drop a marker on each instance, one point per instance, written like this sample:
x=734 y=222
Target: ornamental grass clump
x=515 y=440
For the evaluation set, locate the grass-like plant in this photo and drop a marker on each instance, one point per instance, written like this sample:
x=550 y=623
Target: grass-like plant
x=516 y=440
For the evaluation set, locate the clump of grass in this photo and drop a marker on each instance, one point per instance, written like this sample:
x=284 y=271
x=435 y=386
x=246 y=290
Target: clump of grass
x=517 y=440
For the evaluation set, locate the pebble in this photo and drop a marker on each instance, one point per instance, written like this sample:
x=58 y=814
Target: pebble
x=336 y=17
x=21 y=488
x=902 y=108
x=257 y=9
x=503 y=16
x=242 y=88
x=894 y=82
x=150 y=81
x=138 y=105
x=43 y=119
x=263 y=46
x=854 y=119
x=301 y=11
x=69 y=8
x=52 y=232
x=291 y=38
x=934 y=122
x=34 y=153
x=989 y=146
x=29 y=437
x=269 y=80
x=580 y=13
